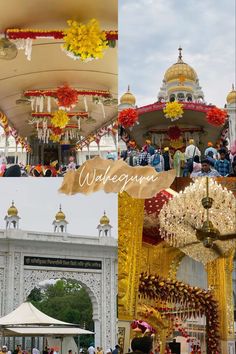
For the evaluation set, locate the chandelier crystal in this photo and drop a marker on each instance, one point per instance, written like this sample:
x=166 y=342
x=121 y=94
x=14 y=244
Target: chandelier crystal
x=182 y=215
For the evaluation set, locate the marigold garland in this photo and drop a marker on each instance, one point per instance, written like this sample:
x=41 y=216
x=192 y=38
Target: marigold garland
x=199 y=300
x=66 y=96
x=53 y=93
x=4 y=123
x=60 y=119
x=216 y=116
x=17 y=33
x=85 y=42
x=56 y=131
x=128 y=117
x=177 y=144
x=173 y=110
x=55 y=138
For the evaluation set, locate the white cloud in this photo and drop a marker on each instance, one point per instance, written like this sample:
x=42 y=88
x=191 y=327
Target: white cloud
x=151 y=31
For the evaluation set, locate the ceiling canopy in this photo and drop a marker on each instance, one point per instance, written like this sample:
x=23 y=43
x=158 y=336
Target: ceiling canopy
x=50 y=67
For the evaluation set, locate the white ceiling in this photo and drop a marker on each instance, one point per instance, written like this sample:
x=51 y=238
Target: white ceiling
x=50 y=67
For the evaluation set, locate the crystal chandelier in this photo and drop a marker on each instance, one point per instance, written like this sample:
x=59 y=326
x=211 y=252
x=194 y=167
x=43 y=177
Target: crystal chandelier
x=182 y=217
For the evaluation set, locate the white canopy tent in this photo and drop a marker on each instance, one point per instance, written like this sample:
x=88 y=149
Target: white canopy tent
x=27 y=321
x=27 y=314
x=45 y=332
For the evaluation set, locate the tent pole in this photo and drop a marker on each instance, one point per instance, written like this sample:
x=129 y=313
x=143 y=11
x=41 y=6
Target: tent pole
x=78 y=344
x=61 y=345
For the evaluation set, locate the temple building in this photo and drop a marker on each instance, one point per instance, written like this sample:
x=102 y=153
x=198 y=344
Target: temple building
x=180 y=84
x=34 y=257
x=177 y=267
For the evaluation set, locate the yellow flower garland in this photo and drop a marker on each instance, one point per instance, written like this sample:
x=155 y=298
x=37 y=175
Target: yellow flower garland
x=85 y=41
x=55 y=138
x=60 y=119
x=173 y=110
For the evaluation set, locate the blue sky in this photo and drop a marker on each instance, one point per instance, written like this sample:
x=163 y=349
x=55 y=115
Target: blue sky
x=150 y=32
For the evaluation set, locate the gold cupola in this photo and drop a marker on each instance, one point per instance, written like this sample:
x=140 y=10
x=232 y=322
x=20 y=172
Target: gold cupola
x=60 y=215
x=180 y=71
x=104 y=219
x=128 y=98
x=12 y=211
x=231 y=97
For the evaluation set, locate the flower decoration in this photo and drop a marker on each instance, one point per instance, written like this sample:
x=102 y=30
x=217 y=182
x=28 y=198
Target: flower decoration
x=200 y=301
x=174 y=132
x=143 y=326
x=66 y=96
x=55 y=138
x=177 y=144
x=216 y=116
x=128 y=117
x=4 y=123
x=173 y=110
x=85 y=42
x=56 y=131
x=60 y=119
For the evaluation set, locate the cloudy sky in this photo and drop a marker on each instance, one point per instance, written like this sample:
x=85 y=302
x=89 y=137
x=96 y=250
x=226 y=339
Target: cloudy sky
x=150 y=32
x=38 y=199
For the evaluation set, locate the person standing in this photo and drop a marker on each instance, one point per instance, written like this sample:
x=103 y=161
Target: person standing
x=178 y=162
x=222 y=165
x=197 y=166
x=144 y=158
x=91 y=349
x=167 y=159
x=149 y=148
x=190 y=151
x=116 y=350
x=210 y=148
x=72 y=164
x=157 y=161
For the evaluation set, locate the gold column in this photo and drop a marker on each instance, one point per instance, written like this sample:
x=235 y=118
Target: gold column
x=220 y=280
x=130 y=227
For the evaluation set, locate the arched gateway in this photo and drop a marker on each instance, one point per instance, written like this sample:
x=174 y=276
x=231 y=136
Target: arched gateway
x=28 y=258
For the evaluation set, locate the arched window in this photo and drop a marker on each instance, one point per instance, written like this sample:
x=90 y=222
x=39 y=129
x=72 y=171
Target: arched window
x=180 y=96
x=172 y=98
x=189 y=97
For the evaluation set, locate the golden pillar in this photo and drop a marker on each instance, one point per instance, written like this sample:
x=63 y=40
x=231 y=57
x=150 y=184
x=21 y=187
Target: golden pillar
x=220 y=280
x=130 y=227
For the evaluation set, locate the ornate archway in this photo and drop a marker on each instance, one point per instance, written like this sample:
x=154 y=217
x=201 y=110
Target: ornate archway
x=195 y=300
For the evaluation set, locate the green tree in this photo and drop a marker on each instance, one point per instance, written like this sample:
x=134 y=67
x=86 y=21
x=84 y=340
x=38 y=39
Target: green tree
x=67 y=301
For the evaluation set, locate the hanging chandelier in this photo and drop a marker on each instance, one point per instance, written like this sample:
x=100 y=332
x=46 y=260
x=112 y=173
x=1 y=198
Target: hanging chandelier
x=200 y=221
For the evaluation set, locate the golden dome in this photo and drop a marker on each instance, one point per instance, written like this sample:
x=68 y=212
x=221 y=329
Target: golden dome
x=180 y=71
x=231 y=97
x=104 y=219
x=60 y=215
x=12 y=211
x=128 y=98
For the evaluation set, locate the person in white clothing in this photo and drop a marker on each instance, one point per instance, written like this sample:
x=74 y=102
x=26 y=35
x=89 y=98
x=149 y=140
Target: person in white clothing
x=91 y=349
x=191 y=150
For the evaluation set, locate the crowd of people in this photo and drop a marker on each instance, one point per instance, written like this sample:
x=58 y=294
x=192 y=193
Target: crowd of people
x=188 y=161
x=90 y=350
x=52 y=169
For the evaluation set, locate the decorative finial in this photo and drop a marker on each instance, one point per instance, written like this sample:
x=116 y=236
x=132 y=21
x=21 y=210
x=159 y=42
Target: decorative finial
x=60 y=207
x=128 y=88
x=232 y=87
x=104 y=213
x=180 y=53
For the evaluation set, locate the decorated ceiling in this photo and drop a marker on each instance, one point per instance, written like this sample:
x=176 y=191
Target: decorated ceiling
x=29 y=83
